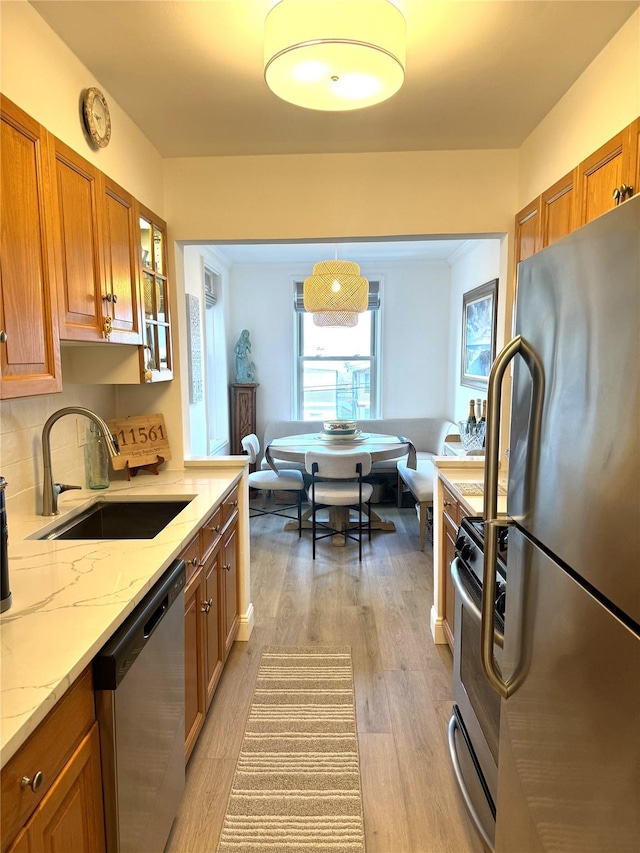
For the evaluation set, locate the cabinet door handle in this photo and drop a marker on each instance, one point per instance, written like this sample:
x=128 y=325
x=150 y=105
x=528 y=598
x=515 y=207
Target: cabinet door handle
x=227 y=568
x=205 y=607
x=234 y=503
x=110 y=297
x=3 y=337
x=34 y=783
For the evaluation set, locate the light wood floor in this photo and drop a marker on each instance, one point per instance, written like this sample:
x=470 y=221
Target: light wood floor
x=403 y=684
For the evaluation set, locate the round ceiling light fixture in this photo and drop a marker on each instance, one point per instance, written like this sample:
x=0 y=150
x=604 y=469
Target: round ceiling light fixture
x=334 y=55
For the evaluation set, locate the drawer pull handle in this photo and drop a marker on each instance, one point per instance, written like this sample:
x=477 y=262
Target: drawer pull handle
x=446 y=503
x=215 y=529
x=227 y=568
x=234 y=503
x=194 y=561
x=35 y=783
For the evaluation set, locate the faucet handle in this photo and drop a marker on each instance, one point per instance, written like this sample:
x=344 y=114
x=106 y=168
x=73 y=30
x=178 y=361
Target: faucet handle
x=63 y=487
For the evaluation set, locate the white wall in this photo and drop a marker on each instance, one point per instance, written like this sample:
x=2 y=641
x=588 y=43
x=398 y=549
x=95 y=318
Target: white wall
x=603 y=100
x=45 y=79
x=415 y=329
x=479 y=264
x=208 y=419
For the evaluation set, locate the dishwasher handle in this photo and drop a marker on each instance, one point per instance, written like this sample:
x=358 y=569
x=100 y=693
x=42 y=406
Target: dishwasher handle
x=118 y=655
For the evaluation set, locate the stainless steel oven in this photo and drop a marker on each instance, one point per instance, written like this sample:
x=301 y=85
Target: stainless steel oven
x=474 y=728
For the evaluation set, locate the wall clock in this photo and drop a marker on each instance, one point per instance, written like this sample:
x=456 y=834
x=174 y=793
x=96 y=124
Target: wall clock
x=96 y=116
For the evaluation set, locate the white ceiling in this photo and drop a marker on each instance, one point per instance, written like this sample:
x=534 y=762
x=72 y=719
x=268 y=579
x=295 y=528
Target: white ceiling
x=479 y=74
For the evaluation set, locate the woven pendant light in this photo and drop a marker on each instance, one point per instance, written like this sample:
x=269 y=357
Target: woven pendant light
x=336 y=292
x=335 y=318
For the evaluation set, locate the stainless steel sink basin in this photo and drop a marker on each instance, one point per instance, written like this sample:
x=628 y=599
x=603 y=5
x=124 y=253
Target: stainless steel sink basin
x=119 y=520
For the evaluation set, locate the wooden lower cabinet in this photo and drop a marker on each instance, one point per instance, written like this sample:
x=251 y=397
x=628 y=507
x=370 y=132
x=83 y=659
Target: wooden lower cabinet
x=211 y=611
x=61 y=810
x=451 y=515
x=215 y=656
x=229 y=577
x=70 y=817
x=194 y=650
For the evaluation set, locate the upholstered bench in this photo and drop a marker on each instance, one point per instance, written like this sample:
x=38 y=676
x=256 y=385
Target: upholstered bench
x=420 y=483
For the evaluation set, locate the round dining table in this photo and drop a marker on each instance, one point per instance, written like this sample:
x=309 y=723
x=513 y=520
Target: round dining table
x=292 y=448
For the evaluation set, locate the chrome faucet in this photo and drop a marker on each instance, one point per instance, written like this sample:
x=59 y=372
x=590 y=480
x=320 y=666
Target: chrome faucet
x=51 y=490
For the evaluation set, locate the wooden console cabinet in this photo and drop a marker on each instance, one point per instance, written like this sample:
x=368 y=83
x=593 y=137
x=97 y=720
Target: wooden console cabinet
x=243 y=413
x=211 y=610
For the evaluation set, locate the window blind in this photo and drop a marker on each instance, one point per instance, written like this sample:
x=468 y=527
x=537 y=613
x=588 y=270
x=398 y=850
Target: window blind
x=374 y=296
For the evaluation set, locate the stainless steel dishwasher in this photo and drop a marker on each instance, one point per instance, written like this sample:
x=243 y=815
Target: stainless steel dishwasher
x=139 y=684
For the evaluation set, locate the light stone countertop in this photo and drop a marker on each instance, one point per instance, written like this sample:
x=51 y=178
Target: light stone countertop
x=467 y=469
x=70 y=596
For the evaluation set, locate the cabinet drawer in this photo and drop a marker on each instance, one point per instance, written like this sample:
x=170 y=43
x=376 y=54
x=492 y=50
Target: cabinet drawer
x=230 y=505
x=451 y=506
x=210 y=532
x=192 y=557
x=46 y=751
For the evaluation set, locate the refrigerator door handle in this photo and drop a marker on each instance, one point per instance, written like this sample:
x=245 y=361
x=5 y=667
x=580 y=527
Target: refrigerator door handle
x=517 y=346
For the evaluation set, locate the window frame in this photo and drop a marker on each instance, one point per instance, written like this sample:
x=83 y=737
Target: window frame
x=373 y=360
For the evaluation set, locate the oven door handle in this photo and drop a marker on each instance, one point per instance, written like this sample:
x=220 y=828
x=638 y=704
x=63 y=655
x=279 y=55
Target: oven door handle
x=469 y=604
x=518 y=346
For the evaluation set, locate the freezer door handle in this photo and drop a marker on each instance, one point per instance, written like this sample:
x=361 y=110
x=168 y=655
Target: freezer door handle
x=518 y=346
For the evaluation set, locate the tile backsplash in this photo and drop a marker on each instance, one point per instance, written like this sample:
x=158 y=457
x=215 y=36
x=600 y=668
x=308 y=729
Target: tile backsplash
x=21 y=423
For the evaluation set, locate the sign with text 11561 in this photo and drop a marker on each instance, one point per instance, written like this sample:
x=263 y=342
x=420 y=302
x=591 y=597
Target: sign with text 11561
x=141 y=441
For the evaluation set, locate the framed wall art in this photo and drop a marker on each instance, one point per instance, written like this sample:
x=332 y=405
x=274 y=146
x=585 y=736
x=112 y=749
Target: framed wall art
x=479 y=312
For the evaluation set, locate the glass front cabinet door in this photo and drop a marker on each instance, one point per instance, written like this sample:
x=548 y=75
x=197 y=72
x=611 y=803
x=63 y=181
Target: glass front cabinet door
x=156 y=362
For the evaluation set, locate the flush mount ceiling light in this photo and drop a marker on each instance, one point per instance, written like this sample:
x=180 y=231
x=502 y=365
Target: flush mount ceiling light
x=334 y=54
x=336 y=293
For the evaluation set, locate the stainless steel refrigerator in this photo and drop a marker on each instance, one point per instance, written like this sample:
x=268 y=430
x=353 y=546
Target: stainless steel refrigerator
x=569 y=753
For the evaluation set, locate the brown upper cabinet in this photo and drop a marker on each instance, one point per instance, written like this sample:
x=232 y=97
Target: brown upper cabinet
x=558 y=209
x=29 y=344
x=156 y=357
x=605 y=179
x=95 y=227
x=120 y=263
x=527 y=236
x=77 y=226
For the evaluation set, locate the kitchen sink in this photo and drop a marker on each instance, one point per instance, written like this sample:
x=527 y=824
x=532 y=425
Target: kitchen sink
x=119 y=520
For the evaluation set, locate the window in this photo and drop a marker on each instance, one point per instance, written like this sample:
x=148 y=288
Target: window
x=337 y=367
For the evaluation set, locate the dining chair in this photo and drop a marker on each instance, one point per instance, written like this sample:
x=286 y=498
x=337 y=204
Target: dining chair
x=284 y=480
x=336 y=481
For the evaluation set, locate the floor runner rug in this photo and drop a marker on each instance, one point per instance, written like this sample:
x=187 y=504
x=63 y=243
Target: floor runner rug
x=296 y=787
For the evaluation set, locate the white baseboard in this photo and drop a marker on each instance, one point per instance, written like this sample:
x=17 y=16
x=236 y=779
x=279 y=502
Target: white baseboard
x=437 y=628
x=247 y=621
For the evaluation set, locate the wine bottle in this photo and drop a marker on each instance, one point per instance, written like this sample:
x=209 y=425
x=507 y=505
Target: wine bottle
x=471 y=420
x=483 y=417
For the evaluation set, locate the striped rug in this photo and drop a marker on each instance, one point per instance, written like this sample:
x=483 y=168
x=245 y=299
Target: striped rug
x=296 y=787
